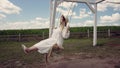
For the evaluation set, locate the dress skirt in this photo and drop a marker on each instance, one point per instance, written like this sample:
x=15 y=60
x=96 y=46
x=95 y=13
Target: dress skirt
x=57 y=38
x=45 y=45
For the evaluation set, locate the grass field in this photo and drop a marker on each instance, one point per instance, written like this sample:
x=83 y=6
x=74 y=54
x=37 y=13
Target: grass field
x=11 y=52
x=46 y=31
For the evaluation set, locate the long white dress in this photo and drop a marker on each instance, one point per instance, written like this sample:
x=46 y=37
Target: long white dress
x=57 y=38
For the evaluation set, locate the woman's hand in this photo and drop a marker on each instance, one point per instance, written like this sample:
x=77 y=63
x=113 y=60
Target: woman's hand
x=68 y=27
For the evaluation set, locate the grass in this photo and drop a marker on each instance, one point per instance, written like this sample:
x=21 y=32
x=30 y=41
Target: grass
x=13 y=50
x=106 y=48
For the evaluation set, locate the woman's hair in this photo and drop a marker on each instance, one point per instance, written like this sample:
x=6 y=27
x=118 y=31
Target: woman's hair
x=64 y=20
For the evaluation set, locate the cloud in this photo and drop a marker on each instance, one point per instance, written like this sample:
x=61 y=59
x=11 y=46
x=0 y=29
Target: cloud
x=104 y=5
x=40 y=19
x=65 y=12
x=8 y=7
x=108 y=24
x=101 y=6
x=2 y=16
x=88 y=23
x=67 y=5
x=113 y=18
x=36 y=23
x=82 y=14
x=81 y=24
x=76 y=24
x=65 y=8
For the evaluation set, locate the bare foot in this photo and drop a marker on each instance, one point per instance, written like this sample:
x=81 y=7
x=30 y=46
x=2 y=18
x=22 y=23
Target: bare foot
x=25 y=49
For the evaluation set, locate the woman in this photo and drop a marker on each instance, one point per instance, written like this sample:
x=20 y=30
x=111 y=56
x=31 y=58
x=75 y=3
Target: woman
x=54 y=42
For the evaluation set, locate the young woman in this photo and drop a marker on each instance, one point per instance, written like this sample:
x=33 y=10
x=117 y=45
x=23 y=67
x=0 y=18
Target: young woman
x=54 y=42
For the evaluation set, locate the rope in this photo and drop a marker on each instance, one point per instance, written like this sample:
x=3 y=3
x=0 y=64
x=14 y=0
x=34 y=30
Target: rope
x=69 y=9
x=71 y=14
x=59 y=14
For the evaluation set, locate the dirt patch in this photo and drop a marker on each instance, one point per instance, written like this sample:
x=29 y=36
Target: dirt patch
x=77 y=60
x=82 y=60
x=86 y=63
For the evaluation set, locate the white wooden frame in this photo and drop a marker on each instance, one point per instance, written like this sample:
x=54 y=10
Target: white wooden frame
x=55 y=3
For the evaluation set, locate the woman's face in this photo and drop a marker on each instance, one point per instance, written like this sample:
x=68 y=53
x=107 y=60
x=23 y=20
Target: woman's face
x=62 y=20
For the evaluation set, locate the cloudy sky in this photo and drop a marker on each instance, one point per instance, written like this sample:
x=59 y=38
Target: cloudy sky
x=35 y=14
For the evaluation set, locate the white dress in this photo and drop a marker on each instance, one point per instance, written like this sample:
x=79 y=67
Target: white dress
x=57 y=38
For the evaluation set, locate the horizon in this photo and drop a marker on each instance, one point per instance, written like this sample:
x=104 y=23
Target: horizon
x=71 y=27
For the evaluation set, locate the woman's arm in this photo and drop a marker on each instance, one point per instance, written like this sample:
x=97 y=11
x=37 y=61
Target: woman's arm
x=66 y=32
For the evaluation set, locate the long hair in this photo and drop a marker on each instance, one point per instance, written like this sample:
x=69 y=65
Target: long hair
x=64 y=20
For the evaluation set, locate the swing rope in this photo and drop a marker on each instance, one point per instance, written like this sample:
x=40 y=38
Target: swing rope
x=69 y=10
x=72 y=11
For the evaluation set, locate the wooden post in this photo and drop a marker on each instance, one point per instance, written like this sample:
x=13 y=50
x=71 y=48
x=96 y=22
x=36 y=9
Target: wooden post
x=19 y=37
x=53 y=14
x=95 y=27
x=88 y=32
x=7 y=37
x=43 y=35
x=109 y=33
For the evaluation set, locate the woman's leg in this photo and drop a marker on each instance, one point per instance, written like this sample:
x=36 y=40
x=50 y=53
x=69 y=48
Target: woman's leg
x=32 y=48
x=46 y=58
x=27 y=50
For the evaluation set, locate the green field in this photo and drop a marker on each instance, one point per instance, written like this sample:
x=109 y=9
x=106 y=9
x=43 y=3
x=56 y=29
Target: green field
x=72 y=29
x=107 y=47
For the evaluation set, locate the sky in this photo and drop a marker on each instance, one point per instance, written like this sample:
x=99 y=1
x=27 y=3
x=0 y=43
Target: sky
x=35 y=14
